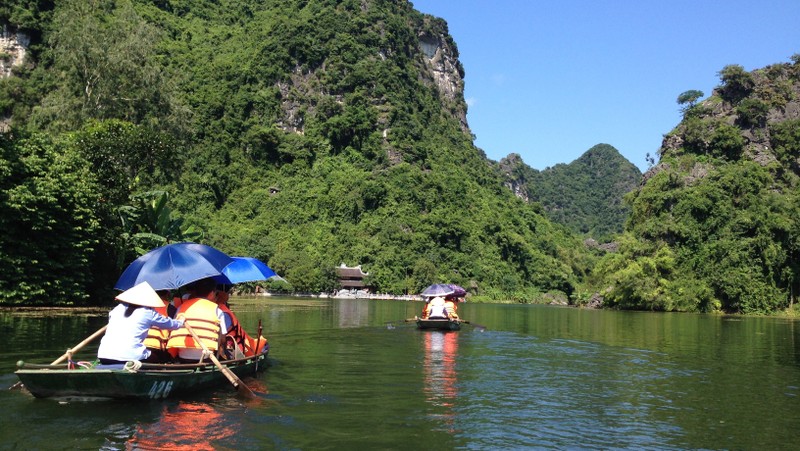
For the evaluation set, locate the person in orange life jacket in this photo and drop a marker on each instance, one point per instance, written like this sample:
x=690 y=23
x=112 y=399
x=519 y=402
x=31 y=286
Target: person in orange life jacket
x=234 y=337
x=237 y=338
x=156 y=340
x=128 y=324
x=205 y=317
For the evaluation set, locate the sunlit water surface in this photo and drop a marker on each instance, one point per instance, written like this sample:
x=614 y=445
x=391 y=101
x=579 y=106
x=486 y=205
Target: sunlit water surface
x=352 y=374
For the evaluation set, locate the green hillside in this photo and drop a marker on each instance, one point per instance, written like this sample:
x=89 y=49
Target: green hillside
x=304 y=133
x=715 y=226
x=585 y=195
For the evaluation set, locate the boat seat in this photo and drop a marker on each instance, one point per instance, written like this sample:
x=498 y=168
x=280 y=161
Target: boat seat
x=116 y=366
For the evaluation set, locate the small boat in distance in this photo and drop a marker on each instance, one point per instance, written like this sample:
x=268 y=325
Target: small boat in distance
x=145 y=380
x=438 y=323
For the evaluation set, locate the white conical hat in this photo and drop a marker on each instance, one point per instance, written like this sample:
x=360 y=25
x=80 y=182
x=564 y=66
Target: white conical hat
x=142 y=294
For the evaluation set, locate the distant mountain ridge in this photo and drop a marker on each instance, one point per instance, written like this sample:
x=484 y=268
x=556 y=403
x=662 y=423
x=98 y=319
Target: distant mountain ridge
x=585 y=195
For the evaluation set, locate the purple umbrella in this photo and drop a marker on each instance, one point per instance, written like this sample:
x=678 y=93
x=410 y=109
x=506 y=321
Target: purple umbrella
x=437 y=289
x=457 y=290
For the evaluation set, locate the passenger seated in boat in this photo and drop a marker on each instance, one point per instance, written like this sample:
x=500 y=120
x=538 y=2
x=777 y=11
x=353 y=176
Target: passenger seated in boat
x=157 y=338
x=205 y=318
x=128 y=324
x=237 y=343
x=435 y=309
x=450 y=307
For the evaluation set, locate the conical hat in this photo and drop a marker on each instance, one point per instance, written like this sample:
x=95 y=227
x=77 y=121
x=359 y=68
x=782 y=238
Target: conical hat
x=142 y=294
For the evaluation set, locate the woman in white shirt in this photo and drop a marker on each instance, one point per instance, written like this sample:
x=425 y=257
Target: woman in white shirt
x=128 y=324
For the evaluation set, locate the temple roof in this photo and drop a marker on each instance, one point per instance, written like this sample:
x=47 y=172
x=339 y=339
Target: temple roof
x=350 y=272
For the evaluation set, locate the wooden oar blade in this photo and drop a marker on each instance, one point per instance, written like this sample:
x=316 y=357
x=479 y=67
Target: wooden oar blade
x=241 y=389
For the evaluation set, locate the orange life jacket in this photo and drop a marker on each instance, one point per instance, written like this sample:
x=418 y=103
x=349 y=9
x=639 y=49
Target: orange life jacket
x=201 y=314
x=246 y=343
x=253 y=346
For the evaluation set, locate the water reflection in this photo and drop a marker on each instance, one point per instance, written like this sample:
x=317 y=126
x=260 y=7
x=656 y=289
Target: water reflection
x=183 y=426
x=441 y=378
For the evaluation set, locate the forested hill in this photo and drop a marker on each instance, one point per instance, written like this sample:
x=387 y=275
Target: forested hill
x=715 y=226
x=585 y=195
x=304 y=133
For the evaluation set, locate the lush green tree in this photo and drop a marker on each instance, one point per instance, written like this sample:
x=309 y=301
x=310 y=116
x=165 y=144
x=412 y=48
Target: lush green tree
x=688 y=99
x=104 y=57
x=737 y=83
x=50 y=227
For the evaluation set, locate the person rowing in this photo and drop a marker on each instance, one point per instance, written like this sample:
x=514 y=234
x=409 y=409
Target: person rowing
x=129 y=323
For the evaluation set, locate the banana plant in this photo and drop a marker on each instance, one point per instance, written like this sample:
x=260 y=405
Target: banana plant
x=149 y=224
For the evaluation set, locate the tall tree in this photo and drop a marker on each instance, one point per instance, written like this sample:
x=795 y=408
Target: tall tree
x=105 y=60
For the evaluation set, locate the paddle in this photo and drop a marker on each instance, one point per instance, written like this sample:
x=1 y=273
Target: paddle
x=240 y=386
x=69 y=352
x=257 y=350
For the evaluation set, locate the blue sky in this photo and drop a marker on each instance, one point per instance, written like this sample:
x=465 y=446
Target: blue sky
x=550 y=79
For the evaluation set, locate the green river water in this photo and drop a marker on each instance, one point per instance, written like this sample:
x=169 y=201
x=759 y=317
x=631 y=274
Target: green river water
x=352 y=374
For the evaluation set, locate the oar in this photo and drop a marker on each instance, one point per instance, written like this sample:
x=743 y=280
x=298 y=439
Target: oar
x=258 y=344
x=70 y=351
x=240 y=386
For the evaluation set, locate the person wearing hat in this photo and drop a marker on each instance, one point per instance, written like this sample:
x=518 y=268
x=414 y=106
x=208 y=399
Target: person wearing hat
x=128 y=324
x=434 y=309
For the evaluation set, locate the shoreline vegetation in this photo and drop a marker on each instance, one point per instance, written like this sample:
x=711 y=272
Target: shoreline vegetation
x=792 y=312
x=346 y=141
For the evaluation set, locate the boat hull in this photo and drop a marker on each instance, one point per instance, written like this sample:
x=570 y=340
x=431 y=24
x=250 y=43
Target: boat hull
x=149 y=381
x=438 y=324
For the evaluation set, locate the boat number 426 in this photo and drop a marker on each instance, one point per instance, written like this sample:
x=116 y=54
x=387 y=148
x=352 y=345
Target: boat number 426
x=160 y=389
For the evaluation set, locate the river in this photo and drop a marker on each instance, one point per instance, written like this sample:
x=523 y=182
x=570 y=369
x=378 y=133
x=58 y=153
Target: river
x=352 y=374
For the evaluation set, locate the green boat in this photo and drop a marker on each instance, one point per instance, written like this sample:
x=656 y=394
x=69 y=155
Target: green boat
x=147 y=381
x=439 y=324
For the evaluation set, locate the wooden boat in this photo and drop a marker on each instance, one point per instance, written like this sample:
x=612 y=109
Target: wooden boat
x=439 y=323
x=150 y=381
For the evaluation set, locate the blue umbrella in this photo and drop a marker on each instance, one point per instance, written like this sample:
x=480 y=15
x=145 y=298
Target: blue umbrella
x=247 y=269
x=173 y=266
x=438 y=289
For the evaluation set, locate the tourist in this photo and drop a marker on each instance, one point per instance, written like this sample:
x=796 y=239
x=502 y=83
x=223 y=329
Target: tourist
x=128 y=324
x=450 y=306
x=204 y=317
x=435 y=309
x=237 y=343
x=157 y=338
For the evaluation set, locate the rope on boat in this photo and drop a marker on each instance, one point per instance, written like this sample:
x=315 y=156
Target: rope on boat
x=132 y=366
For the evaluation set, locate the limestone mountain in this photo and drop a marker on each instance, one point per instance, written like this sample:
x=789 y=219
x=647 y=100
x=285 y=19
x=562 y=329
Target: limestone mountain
x=304 y=133
x=585 y=195
x=715 y=226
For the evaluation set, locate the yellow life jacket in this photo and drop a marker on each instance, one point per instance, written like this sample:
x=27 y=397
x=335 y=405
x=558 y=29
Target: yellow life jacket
x=450 y=309
x=201 y=314
x=157 y=338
